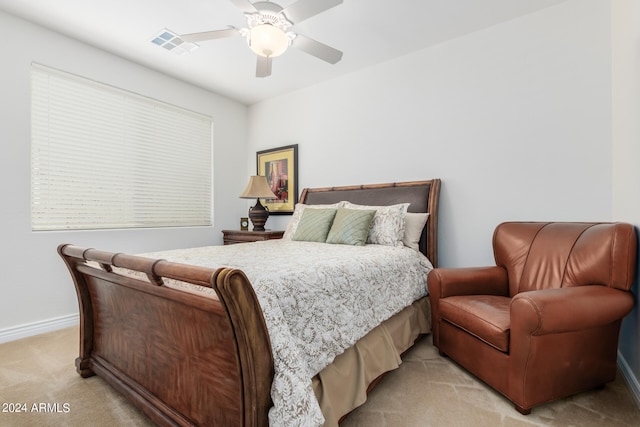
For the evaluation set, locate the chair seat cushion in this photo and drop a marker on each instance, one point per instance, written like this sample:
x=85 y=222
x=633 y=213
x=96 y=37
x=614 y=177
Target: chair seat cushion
x=484 y=316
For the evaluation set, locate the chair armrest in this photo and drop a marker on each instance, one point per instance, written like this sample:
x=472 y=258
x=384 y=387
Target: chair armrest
x=446 y=282
x=568 y=309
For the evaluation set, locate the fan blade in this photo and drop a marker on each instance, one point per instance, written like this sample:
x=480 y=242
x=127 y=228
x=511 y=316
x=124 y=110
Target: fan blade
x=263 y=67
x=245 y=5
x=317 y=49
x=210 y=35
x=304 y=9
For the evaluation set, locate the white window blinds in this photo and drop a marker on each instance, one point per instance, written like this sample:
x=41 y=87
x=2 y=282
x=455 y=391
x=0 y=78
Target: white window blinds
x=102 y=157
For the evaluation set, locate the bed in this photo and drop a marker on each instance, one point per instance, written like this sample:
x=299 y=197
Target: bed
x=188 y=335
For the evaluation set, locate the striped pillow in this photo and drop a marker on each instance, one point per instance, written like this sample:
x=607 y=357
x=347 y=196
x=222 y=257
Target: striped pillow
x=292 y=226
x=314 y=225
x=350 y=227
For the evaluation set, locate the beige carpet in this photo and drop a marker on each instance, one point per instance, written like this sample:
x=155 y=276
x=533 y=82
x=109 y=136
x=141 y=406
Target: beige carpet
x=426 y=390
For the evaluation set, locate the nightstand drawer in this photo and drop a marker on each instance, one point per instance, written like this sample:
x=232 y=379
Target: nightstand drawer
x=243 y=236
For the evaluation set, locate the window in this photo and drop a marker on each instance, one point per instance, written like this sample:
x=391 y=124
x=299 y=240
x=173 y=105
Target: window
x=103 y=157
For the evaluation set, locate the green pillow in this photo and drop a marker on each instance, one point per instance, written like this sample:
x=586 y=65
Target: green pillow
x=314 y=225
x=351 y=227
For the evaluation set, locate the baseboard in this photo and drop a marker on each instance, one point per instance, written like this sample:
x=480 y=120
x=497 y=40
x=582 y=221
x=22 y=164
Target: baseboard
x=37 y=328
x=632 y=381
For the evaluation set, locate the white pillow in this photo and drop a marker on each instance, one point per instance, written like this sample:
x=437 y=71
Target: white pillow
x=414 y=223
x=292 y=225
x=387 y=227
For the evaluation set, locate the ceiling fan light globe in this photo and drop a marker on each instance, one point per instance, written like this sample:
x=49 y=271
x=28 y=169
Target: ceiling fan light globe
x=267 y=40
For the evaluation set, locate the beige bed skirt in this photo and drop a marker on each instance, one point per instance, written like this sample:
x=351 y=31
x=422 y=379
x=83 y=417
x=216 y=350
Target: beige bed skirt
x=342 y=386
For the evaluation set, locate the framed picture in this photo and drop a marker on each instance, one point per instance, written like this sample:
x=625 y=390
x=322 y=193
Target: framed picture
x=280 y=166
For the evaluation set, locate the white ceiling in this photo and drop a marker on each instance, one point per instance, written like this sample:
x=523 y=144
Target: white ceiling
x=367 y=31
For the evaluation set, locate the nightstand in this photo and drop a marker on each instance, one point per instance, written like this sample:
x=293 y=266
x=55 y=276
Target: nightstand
x=243 y=236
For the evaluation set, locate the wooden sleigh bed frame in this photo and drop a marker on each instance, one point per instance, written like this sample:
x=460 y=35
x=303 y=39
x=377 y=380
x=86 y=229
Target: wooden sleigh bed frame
x=186 y=359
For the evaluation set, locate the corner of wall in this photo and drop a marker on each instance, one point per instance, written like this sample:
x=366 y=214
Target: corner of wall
x=631 y=380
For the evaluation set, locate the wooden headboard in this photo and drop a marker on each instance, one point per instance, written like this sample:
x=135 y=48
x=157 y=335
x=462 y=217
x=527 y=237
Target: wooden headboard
x=423 y=196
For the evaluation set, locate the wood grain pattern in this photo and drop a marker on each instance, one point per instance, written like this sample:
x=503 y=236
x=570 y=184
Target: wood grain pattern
x=231 y=237
x=183 y=359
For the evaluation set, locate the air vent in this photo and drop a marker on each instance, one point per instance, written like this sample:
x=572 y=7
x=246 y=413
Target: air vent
x=172 y=42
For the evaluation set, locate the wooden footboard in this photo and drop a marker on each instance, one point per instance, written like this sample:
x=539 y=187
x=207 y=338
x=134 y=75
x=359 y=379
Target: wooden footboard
x=184 y=359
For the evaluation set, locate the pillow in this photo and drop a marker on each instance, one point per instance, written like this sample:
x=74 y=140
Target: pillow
x=413 y=225
x=314 y=225
x=350 y=226
x=297 y=214
x=387 y=227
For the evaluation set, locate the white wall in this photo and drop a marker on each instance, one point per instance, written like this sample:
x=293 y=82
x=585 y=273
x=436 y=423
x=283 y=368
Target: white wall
x=35 y=285
x=515 y=119
x=626 y=152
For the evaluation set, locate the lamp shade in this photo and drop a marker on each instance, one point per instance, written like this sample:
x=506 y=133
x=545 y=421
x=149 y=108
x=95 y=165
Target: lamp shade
x=258 y=188
x=268 y=40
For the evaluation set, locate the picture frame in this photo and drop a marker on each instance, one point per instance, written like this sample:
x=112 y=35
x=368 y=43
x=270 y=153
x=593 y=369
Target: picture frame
x=280 y=167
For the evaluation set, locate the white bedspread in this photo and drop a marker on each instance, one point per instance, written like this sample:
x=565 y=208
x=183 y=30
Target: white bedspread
x=317 y=299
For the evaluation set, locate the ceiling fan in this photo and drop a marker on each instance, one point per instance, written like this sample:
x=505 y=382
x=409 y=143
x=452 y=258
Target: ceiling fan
x=268 y=32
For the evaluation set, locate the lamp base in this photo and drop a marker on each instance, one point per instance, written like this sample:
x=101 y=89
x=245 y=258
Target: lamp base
x=258 y=216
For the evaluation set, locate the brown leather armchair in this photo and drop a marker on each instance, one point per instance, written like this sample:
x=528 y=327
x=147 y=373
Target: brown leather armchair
x=544 y=322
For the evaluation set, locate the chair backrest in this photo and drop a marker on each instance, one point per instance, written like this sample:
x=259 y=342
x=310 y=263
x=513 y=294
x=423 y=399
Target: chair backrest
x=545 y=255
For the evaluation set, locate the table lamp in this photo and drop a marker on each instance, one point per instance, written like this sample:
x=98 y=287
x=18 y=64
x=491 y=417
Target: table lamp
x=258 y=188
